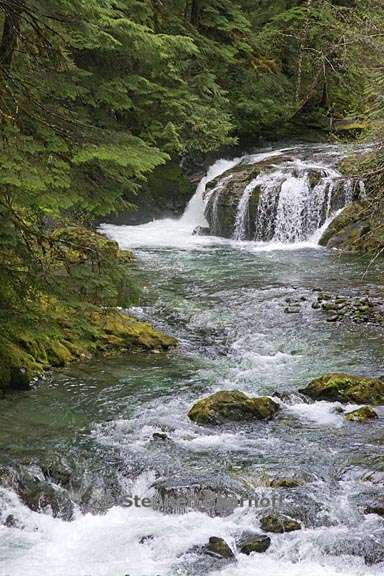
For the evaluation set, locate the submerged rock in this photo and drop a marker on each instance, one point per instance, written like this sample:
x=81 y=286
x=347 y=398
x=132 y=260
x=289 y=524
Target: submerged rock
x=218 y=547
x=252 y=542
x=278 y=524
x=213 y=496
x=286 y=483
x=336 y=387
x=361 y=415
x=232 y=406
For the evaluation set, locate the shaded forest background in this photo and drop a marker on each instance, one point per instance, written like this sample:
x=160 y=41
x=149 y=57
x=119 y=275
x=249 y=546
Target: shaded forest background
x=104 y=100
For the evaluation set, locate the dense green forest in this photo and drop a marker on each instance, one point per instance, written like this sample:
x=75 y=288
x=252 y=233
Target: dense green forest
x=101 y=99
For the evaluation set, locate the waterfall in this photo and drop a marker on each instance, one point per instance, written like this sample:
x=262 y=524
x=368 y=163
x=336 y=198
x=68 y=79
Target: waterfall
x=194 y=212
x=293 y=198
x=281 y=196
x=243 y=210
x=293 y=209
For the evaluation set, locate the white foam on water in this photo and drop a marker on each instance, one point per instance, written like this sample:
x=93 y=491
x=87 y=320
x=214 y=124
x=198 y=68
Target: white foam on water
x=109 y=545
x=322 y=412
x=170 y=232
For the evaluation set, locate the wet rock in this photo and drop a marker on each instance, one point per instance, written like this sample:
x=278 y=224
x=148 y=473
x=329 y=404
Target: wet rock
x=100 y=497
x=368 y=547
x=232 y=406
x=10 y=521
x=222 y=199
x=361 y=415
x=218 y=548
x=292 y=309
x=58 y=474
x=323 y=296
x=250 y=542
x=358 y=229
x=36 y=493
x=278 y=524
x=201 y=231
x=145 y=539
x=286 y=483
x=213 y=496
x=9 y=478
x=328 y=306
x=375 y=509
x=43 y=497
x=333 y=319
x=346 y=388
x=20 y=379
x=291 y=398
x=338 y=410
x=160 y=436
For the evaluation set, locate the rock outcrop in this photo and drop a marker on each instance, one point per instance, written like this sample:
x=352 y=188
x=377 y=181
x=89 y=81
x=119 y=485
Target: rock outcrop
x=358 y=229
x=232 y=406
x=346 y=388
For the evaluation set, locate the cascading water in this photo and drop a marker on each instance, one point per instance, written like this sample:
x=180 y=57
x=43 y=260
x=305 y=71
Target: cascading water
x=295 y=198
x=243 y=210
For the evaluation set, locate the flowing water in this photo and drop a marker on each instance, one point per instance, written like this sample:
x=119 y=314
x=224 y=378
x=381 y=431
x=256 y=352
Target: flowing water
x=87 y=431
x=300 y=190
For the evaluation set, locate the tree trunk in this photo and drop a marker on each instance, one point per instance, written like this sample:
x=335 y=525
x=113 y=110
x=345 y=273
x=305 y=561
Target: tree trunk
x=11 y=31
x=195 y=12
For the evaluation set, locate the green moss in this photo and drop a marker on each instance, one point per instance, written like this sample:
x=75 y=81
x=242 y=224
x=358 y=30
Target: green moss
x=232 y=406
x=346 y=388
x=278 y=524
x=74 y=334
x=58 y=354
x=346 y=218
x=358 y=229
x=361 y=415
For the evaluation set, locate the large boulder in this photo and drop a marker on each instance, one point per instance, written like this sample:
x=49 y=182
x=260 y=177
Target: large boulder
x=336 y=387
x=232 y=406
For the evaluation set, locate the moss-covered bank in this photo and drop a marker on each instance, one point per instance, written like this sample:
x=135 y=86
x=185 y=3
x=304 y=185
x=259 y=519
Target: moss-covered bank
x=96 y=331
x=76 y=312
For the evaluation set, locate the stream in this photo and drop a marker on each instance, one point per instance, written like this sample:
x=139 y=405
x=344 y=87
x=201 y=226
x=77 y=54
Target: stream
x=86 y=433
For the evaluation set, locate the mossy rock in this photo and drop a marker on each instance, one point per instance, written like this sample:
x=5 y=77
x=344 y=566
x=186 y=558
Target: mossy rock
x=121 y=330
x=251 y=542
x=218 y=548
x=17 y=367
x=232 y=406
x=278 y=524
x=346 y=388
x=358 y=229
x=361 y=415
x=285 y=483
